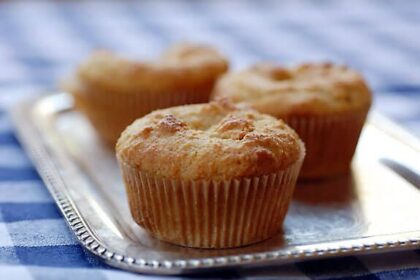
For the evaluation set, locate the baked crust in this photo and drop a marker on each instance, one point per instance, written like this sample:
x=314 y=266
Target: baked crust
x=186 y=66
x=113 y=91
x=209 y=141
x=307 y=89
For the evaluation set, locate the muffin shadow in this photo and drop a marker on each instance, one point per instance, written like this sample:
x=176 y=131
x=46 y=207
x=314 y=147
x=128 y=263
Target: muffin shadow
x=325 y=210
x=333 y=190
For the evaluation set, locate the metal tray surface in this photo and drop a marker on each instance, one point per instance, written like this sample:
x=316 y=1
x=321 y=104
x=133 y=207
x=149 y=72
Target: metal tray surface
x=375 y=208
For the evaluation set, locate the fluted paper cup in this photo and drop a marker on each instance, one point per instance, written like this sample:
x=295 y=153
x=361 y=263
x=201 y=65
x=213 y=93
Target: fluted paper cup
x=330 y=141
x=110 y=113
x=210 y=213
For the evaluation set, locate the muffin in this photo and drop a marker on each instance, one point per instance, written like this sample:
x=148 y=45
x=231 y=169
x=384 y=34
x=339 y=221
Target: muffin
x=325 y=104
x=209 y=175
x=113 y=91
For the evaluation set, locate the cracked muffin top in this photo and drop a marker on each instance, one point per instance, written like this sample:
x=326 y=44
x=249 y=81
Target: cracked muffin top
x=305 y=89
x=217 y=140
x=182 y=65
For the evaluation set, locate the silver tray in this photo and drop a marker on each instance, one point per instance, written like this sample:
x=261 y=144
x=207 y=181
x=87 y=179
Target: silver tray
x=374 y=209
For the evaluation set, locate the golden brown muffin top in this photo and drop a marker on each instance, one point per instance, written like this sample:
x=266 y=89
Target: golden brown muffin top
x=209 y=141
x=183 y=65
x=304 y=89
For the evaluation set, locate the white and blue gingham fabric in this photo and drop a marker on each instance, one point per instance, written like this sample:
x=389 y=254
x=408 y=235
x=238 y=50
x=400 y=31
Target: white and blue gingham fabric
x=40 y=41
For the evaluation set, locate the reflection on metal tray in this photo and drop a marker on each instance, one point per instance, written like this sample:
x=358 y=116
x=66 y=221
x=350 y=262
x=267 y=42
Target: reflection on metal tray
x=375 y=208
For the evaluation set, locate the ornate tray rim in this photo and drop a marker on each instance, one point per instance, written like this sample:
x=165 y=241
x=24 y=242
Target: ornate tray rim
x=33 y=142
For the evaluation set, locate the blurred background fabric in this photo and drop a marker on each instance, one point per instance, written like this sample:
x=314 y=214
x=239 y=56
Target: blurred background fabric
x=41 y=41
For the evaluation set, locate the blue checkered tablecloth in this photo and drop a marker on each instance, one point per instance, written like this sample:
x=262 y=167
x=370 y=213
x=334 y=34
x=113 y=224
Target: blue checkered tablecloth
x=40 y=41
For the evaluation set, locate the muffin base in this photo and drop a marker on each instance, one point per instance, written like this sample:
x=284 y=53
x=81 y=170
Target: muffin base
x=210 y=213
x=330 y=141
x=110 y=113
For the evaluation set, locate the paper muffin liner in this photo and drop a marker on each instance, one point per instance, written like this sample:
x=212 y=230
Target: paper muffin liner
x=110 y=112
x=330 y=141
x=210 y=213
